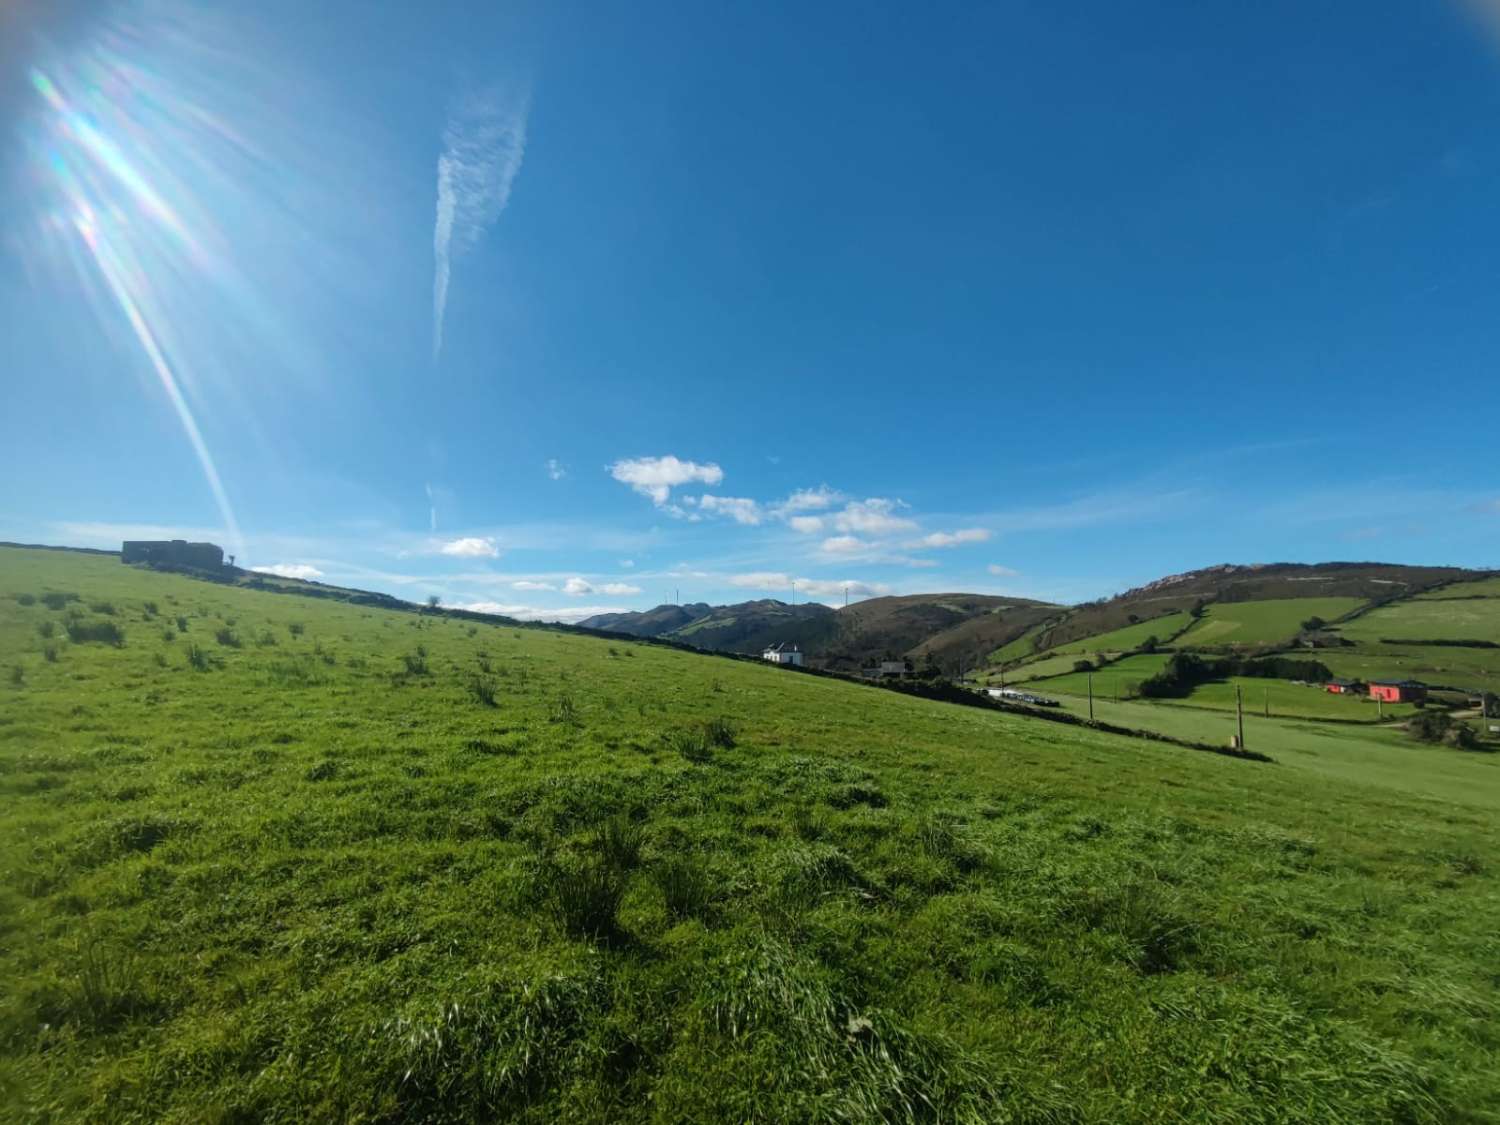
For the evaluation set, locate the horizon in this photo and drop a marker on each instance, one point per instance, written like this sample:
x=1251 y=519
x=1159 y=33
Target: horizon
x=551 y=312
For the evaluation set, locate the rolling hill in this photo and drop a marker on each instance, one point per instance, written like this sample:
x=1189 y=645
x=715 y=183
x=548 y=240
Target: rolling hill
x=270 y=857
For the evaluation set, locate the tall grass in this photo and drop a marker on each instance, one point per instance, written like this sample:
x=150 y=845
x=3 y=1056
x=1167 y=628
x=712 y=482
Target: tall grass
x=81 y=631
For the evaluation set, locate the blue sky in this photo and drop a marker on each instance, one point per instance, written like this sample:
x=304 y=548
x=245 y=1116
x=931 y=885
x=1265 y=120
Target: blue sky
x=562 y=308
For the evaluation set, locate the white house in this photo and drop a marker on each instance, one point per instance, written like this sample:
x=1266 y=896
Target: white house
x=784 y=653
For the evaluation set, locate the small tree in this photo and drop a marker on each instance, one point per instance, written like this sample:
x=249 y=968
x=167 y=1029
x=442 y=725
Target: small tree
x=1083 y=665
x=433 y=601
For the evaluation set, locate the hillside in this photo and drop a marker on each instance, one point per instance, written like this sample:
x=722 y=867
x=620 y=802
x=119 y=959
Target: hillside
x=745 y=627
x=269 y=857
x=1327 y=589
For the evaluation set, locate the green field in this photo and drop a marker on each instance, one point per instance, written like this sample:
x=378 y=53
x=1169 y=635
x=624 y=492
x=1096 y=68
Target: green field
x=1375 y=756
x=1456 y=619
x=279 y=859
x=1472 y=668
x=1484 y=587
x=1264 y=622
x=1286 y=699
x=1122 y=677
x=1118 y=640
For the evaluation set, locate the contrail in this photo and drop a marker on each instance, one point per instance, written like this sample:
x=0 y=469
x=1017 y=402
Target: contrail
x=484 y=142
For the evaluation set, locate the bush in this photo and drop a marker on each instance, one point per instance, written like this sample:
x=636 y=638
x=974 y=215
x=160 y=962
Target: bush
x=106 y=608
x=415 y=663
x=1430 y=726
x=152 y=609
x=692 y=743
x=295 y=628
x=685 y=885
x=47 y=629
x=1083 y=665
x=181 y=623
x=719 y=732
x=197 y=659
x=101 y=632
x=26 y=599
x=227 y=637
x=586 y=898
x=17 y=675
x=483 y=689
x=619 y=842
x=50 y=654
x=58 y=601
x=267 y=639
x=1313 y=624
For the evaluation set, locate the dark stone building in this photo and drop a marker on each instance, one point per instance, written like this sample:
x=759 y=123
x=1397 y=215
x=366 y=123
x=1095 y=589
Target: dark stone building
x=173 y=552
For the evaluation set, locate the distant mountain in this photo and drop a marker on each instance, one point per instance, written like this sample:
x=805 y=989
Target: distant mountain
x=744 y=627
x=653 y=622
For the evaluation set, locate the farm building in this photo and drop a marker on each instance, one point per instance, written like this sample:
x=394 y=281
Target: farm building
x=173 y=552
x=1398 y=691
x=897 y=668
x=1344 y=687
x=784 y=653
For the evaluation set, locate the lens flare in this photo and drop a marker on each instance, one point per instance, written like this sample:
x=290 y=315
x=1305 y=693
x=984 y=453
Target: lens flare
x=111 y=204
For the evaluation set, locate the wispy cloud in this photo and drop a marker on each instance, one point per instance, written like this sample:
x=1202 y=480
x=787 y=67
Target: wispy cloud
x=527 y=584
x=737 y=508
x=570 y=615
x=812 y=587
x=844 y=544
x=484 y=142
x=1002 y=571
x=556 y=469
x=951 y=538
x=875 y=516
x=657 y=476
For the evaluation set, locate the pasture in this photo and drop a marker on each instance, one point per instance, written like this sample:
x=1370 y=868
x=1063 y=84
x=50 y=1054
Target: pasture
x=1263 y=622
x=1467 y=618
x=276 y=859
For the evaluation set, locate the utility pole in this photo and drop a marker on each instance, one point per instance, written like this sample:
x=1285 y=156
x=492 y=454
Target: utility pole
x=846 y=595
x=1268 y=701
x=1239 y=710
x=1091 y=697
x=794 y=593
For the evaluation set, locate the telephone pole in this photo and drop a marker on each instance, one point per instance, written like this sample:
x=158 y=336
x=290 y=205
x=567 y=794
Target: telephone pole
x=1239 y=710
x=1091 y=697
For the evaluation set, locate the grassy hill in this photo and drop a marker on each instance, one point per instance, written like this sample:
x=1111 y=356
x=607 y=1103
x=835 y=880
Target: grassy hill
x=266 y=857
x=1269 y=621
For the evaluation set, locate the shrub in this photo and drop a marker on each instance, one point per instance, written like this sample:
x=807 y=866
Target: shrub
x=619 y=842
x=197 y=659
x=685 y=886
x=692 y=743
x=267 y=639
x=181 y=623
x=17 y=675
x=1313 y=624
x=1083 y=665
x=563 y=710
x=483 y=689
x=152 y=609
x=414 y=663
x=26 y=599
x=295 y=628
x=107 y=989
x=227 y=637
x=586 y=898
x=720 y=732
x=58 y=601
x=102 y=632
x=47 y=629
x=50 y=654
x=484 y=663
x=106 y=608
x=1430 y=726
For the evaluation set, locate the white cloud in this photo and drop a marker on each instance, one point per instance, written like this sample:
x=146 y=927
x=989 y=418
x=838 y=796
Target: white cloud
x=1002 y=571
x=484 y=142
x=736 y=508
x=812 y=587
x=875 y=516
x=844 y=544
x=290 y=570
x=556 y=469
x=577 y=587
x=807 y=525
x=470 y=548
x=809 y=500
x=952 y=538
x=627 y=563
x=568 y=616
x=527 y=584
x=657 y=476
x=619 y=589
